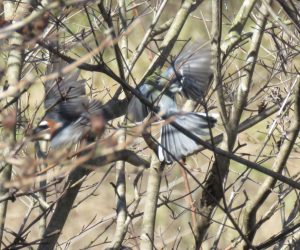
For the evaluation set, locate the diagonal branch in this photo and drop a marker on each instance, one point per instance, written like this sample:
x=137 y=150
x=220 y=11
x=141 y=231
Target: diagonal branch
x=280 y=162
x=171 y=37
x=150 y=210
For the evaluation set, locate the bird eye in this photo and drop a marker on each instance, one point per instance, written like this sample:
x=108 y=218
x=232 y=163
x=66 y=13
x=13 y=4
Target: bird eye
x=43 y=125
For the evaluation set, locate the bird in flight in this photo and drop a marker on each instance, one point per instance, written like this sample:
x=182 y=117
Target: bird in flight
x=70 y=114
x=189 y=75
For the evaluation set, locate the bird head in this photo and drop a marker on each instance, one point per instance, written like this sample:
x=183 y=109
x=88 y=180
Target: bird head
x=46 y=129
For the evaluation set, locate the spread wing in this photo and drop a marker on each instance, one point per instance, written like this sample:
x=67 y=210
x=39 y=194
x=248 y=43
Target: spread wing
x=194 y=66
x=191 y=72
x=65 y=96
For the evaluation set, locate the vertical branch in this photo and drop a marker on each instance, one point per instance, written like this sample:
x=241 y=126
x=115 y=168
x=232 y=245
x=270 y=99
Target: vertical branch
x=216 y=57
x=243 y=89
x=213 y=186
x=118 y=52
x=120 y=198
x=249 y=218
x=62 y=210
x=42 y=186
x=43 y=192
x=148 y=226
x=13 y=73
x=123 y=26
x=120 y=165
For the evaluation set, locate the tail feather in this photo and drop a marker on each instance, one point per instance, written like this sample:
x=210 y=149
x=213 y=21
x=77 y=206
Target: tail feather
x=176 y=144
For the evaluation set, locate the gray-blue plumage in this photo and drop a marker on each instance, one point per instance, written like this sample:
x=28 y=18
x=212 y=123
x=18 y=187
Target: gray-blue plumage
x=189 y=74
x=176 y=144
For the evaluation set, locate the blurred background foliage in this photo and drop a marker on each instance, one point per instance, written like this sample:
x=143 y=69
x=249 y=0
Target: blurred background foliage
x=92 y=221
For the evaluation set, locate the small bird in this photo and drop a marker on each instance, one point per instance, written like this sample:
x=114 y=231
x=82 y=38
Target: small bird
x=70 y=115
x=189 y=75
